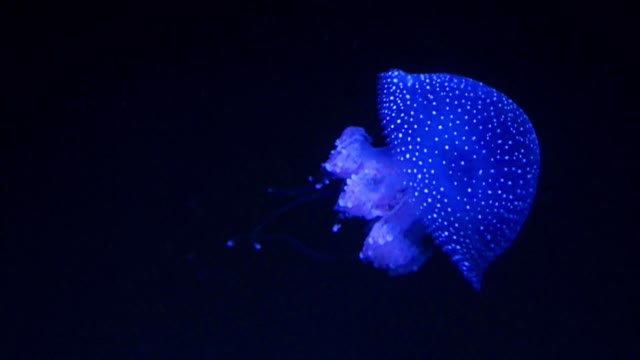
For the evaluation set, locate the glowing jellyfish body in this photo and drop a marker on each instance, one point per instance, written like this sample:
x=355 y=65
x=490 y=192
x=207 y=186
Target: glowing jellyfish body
x=461 y=165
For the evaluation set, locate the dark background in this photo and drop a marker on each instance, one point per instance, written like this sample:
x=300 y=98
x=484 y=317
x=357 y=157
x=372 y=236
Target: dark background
x=135 y=148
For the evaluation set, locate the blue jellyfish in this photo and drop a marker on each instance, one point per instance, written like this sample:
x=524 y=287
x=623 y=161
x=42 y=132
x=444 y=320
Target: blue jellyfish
x=461 y=165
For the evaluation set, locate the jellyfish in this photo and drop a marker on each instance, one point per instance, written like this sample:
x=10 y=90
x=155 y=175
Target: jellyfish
x=460 y=167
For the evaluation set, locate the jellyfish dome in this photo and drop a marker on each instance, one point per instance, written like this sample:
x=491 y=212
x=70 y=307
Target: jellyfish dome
x=461 y=165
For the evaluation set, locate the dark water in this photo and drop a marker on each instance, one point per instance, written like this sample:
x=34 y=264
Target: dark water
x=136 y=148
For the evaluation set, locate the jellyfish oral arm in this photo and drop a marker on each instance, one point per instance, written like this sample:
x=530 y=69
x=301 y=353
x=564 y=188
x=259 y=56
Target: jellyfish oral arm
x=373 y=180
x=374 y=189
